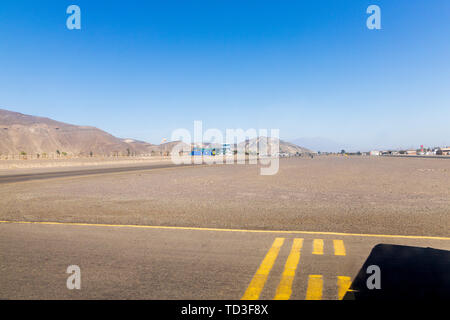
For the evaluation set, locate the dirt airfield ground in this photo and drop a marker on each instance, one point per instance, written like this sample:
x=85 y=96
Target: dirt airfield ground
x=34 y=165
x=328 y=193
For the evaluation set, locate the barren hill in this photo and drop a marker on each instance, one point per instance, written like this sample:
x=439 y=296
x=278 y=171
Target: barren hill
x=285 y=147
x=20 y=133
x=31 y=134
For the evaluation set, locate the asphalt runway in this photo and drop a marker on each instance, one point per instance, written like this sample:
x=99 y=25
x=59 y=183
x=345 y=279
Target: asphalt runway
x=163 y=234
x=144 y=262
x=83 y=172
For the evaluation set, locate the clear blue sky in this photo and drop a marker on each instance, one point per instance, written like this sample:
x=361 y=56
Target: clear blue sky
x=140 y=69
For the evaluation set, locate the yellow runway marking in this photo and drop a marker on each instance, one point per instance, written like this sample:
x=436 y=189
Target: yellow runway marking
x=343 y=285
x=314 y=291
x=339 y=248
x=317 y=246
x=259 y=279
x=284 y=289
x=227 y=230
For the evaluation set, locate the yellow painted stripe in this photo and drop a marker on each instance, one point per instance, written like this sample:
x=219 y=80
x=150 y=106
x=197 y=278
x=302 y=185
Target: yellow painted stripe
x=226 y=230
x=259 y=279
x=284 y=289
x=314 y=291
x=339 y=248
x=317 y=246
x=343 y=285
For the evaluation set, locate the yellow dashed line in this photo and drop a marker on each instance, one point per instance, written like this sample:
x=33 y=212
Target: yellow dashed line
x=317 y=246
x=284 y=289
x=259 y=279
x=343 y=284
x=339 y=248
x=315 y=284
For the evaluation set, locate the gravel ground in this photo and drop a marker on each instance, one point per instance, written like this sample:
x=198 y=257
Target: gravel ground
x=327 y=193
x=7 y=166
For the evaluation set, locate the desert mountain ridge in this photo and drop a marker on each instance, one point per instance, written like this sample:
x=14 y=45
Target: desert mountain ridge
x=26 y=134
x=21 y=133
x=268 y=142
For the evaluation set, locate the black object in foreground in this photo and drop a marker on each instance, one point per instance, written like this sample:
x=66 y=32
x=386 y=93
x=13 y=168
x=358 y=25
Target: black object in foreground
x=406 y=273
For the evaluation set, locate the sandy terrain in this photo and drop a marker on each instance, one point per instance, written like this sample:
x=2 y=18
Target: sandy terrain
x=7 y=166
x=339 y=194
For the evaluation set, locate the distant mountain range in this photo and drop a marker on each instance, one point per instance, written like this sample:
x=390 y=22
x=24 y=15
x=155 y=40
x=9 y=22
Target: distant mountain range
x=20 y=133
x=321 y=144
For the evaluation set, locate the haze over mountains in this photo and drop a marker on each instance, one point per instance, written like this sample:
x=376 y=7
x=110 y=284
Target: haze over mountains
x=321 y=144
x=20 y=133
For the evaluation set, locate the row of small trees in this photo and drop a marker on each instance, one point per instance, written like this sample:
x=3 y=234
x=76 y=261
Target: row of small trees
x=25 y=155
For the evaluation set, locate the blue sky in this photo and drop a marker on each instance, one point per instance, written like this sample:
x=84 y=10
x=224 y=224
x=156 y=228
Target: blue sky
x=141 y=69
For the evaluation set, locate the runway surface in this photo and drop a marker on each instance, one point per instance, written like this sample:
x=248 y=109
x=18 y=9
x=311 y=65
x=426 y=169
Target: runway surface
x=313 y=231
x=144 y=262
x=10 y=178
